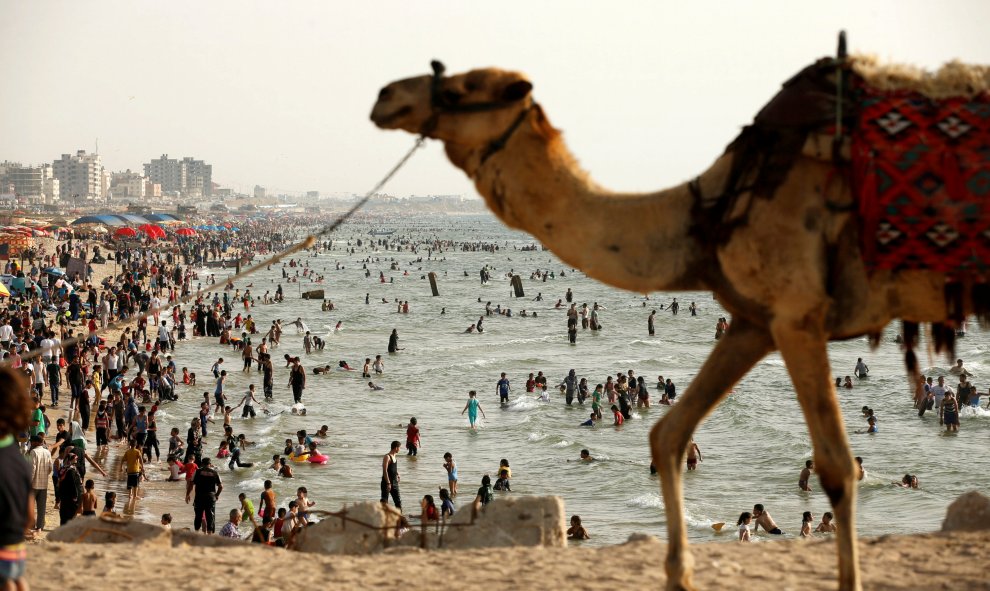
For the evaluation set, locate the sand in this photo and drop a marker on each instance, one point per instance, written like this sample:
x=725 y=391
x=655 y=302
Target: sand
x=918 y=562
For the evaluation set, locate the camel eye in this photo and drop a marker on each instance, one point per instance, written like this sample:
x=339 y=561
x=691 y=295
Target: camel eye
x=452 y=97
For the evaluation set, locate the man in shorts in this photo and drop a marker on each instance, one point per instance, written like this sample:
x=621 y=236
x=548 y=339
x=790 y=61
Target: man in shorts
x=762 y=517
x=134 y=464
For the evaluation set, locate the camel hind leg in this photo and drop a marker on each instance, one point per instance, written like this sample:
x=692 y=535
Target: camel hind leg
x=733 y=356
x=803 y=345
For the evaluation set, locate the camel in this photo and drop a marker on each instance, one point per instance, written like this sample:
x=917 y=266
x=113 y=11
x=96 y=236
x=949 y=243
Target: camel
x=769 y=228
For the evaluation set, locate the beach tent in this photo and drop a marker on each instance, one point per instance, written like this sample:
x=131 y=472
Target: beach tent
x=130 y=232
x=105 y=219
x=161 y=217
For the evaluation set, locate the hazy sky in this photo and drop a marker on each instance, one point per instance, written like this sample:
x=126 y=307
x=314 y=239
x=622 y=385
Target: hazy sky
x=278 y=93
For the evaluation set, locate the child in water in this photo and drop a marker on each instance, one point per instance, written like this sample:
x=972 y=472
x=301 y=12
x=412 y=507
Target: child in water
x=744 y=520
x=451 y=468
x=430 y=512
x=446 y=505
x=826 y=526
x=502 y=483
x=806 y=521
x=577 y=531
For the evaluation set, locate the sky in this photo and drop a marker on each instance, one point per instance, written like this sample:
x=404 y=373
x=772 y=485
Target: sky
x=647 y=93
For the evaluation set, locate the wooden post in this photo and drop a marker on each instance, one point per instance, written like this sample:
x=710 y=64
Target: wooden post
x=433 y=283
x=518 y=286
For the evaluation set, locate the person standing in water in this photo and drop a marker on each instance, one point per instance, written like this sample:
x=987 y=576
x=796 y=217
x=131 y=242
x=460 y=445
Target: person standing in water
x=393 y=342
x=650 y=321
x=390 y=477
x=502 y=389
x=862 y=370
x=472 y=407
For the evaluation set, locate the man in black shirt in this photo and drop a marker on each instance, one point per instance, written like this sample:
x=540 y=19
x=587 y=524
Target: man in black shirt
x=207 y=485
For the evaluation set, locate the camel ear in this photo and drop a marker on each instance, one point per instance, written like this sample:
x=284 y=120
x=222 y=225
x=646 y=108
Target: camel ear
x=517 y=90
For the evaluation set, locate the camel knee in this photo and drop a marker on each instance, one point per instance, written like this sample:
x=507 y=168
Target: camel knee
x=838 y=479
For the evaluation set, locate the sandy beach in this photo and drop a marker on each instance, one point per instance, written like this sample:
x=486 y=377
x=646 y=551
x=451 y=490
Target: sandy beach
x=920 y=562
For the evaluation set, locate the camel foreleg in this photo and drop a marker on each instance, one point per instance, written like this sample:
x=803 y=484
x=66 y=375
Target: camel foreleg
x=732 y=357
x=802 y=344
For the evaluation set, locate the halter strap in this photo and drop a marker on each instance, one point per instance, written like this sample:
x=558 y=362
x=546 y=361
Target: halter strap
x=439 y=105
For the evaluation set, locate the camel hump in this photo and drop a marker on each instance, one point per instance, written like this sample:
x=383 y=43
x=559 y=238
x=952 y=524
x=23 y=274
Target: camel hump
x=807 y=101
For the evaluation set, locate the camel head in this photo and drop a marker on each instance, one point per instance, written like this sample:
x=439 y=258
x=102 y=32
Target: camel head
x=470 y=110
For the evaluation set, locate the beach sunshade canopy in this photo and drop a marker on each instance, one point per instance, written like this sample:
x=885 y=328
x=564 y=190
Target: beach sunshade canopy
x=185 y=232
x=161 y=217
x=125 y=232
x=105 y=219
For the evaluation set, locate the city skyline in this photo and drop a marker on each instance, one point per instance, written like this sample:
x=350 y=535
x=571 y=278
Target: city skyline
x=647 y=94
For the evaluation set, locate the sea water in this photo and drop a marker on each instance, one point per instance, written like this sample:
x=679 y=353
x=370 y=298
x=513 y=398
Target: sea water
x=754 y=444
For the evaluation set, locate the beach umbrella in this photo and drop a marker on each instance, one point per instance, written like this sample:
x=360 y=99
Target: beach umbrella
x=152 y=230
x=185 y=232
x=4 y=291
x=55 y=271
x=125 y=232
x=97 y=229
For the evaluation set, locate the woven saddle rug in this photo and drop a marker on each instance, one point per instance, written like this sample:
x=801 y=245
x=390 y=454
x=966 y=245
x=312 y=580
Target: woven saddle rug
x=921 y=171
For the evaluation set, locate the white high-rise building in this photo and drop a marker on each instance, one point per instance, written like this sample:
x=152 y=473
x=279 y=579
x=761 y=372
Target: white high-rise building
x=187 y=177
x=81 y=176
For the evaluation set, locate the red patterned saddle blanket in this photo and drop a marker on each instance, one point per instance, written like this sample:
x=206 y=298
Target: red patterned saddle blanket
x=921 y=170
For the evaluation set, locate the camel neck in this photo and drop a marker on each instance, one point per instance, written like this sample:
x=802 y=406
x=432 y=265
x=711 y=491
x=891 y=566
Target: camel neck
x=535 y=185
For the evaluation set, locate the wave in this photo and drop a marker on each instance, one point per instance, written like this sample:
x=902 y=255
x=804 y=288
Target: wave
x=646 y=501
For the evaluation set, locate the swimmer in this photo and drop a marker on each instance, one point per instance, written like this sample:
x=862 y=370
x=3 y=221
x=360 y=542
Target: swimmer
x=762 y=517
x=577 y=531
x=826 y=526
x=586 y=456
x=904 y=482
x=321 y=370
x=809 y=467
x=375 y=386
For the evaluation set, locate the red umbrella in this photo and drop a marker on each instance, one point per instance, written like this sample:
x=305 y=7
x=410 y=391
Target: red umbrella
x=125 y=232
x=152 y=230
x=185 y=232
